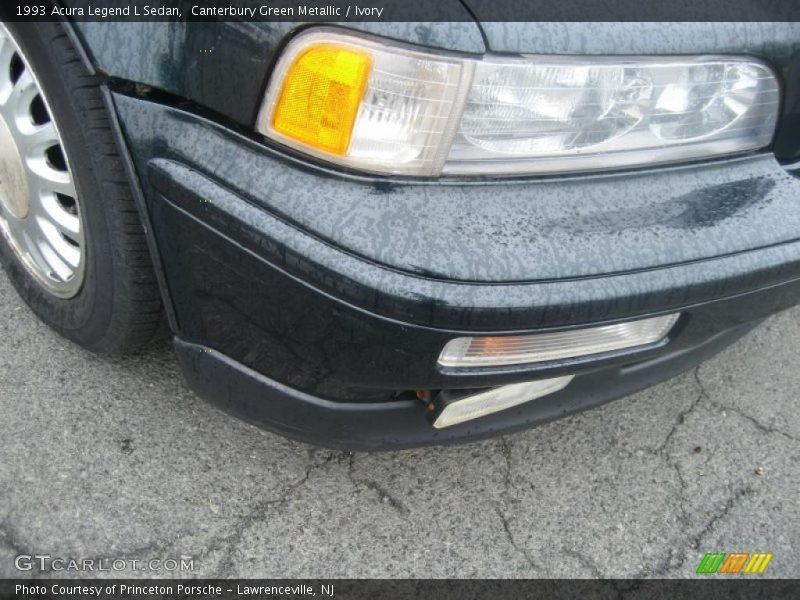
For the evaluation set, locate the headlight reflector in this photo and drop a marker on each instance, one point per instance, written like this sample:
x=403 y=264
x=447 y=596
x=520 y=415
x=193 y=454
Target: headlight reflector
x=388 y=108
x=549 y=115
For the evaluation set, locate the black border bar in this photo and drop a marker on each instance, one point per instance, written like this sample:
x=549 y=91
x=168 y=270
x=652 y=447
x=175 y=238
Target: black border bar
x=710 y=587
x=404 y=10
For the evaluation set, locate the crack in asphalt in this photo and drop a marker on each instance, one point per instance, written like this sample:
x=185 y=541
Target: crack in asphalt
x=255 y=515
x=718 y=516
x=694 y=541
x=504 y=447
x=521 y=550
x=766 y=429
x=383 y=494
x=681 y=418
x=667 y=562
x=228 y=543
x=660 y=452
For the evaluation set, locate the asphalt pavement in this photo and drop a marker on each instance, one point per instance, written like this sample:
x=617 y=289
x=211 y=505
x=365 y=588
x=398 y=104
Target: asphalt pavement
x=116 y=459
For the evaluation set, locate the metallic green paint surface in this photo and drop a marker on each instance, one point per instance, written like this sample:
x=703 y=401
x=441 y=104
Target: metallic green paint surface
x=503 y=254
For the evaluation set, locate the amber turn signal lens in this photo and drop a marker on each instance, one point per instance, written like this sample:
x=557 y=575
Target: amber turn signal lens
x=321 y=94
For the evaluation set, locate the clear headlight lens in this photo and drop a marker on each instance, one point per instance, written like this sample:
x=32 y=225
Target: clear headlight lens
x=405 y=111
x=530 y=109
x=543 y=116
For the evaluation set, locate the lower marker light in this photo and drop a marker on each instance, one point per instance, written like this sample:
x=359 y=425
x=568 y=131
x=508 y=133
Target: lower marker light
x=492 y=351
x=491 y=401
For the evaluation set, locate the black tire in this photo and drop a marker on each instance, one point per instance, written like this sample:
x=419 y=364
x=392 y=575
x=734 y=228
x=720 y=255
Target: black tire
x=118 y=307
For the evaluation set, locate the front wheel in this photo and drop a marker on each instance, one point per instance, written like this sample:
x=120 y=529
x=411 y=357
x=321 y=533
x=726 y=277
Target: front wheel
x=72 y=242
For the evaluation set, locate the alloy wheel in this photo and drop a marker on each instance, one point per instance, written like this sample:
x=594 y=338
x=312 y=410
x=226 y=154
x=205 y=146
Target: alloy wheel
x=40 y=215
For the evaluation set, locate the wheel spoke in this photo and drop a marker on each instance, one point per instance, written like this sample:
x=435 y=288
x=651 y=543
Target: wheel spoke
x=37 y=139
x=47 y=179
x=32 y=237
x=68 y=255
x=56 y=262
x=6 y=54
x=17 y=107
x=67 y=223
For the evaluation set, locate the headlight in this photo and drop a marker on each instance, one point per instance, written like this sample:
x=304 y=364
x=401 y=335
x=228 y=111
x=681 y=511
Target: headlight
x=385 y=108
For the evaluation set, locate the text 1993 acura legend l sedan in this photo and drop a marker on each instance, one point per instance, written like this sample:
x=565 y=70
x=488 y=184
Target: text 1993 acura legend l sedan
x=389 y=234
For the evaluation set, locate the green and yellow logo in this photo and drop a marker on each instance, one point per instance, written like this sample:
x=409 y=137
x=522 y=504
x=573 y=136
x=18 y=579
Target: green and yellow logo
x=733 y=563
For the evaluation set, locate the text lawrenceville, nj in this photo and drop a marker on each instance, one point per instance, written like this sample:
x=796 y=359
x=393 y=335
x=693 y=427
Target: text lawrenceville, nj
x=264 y=10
